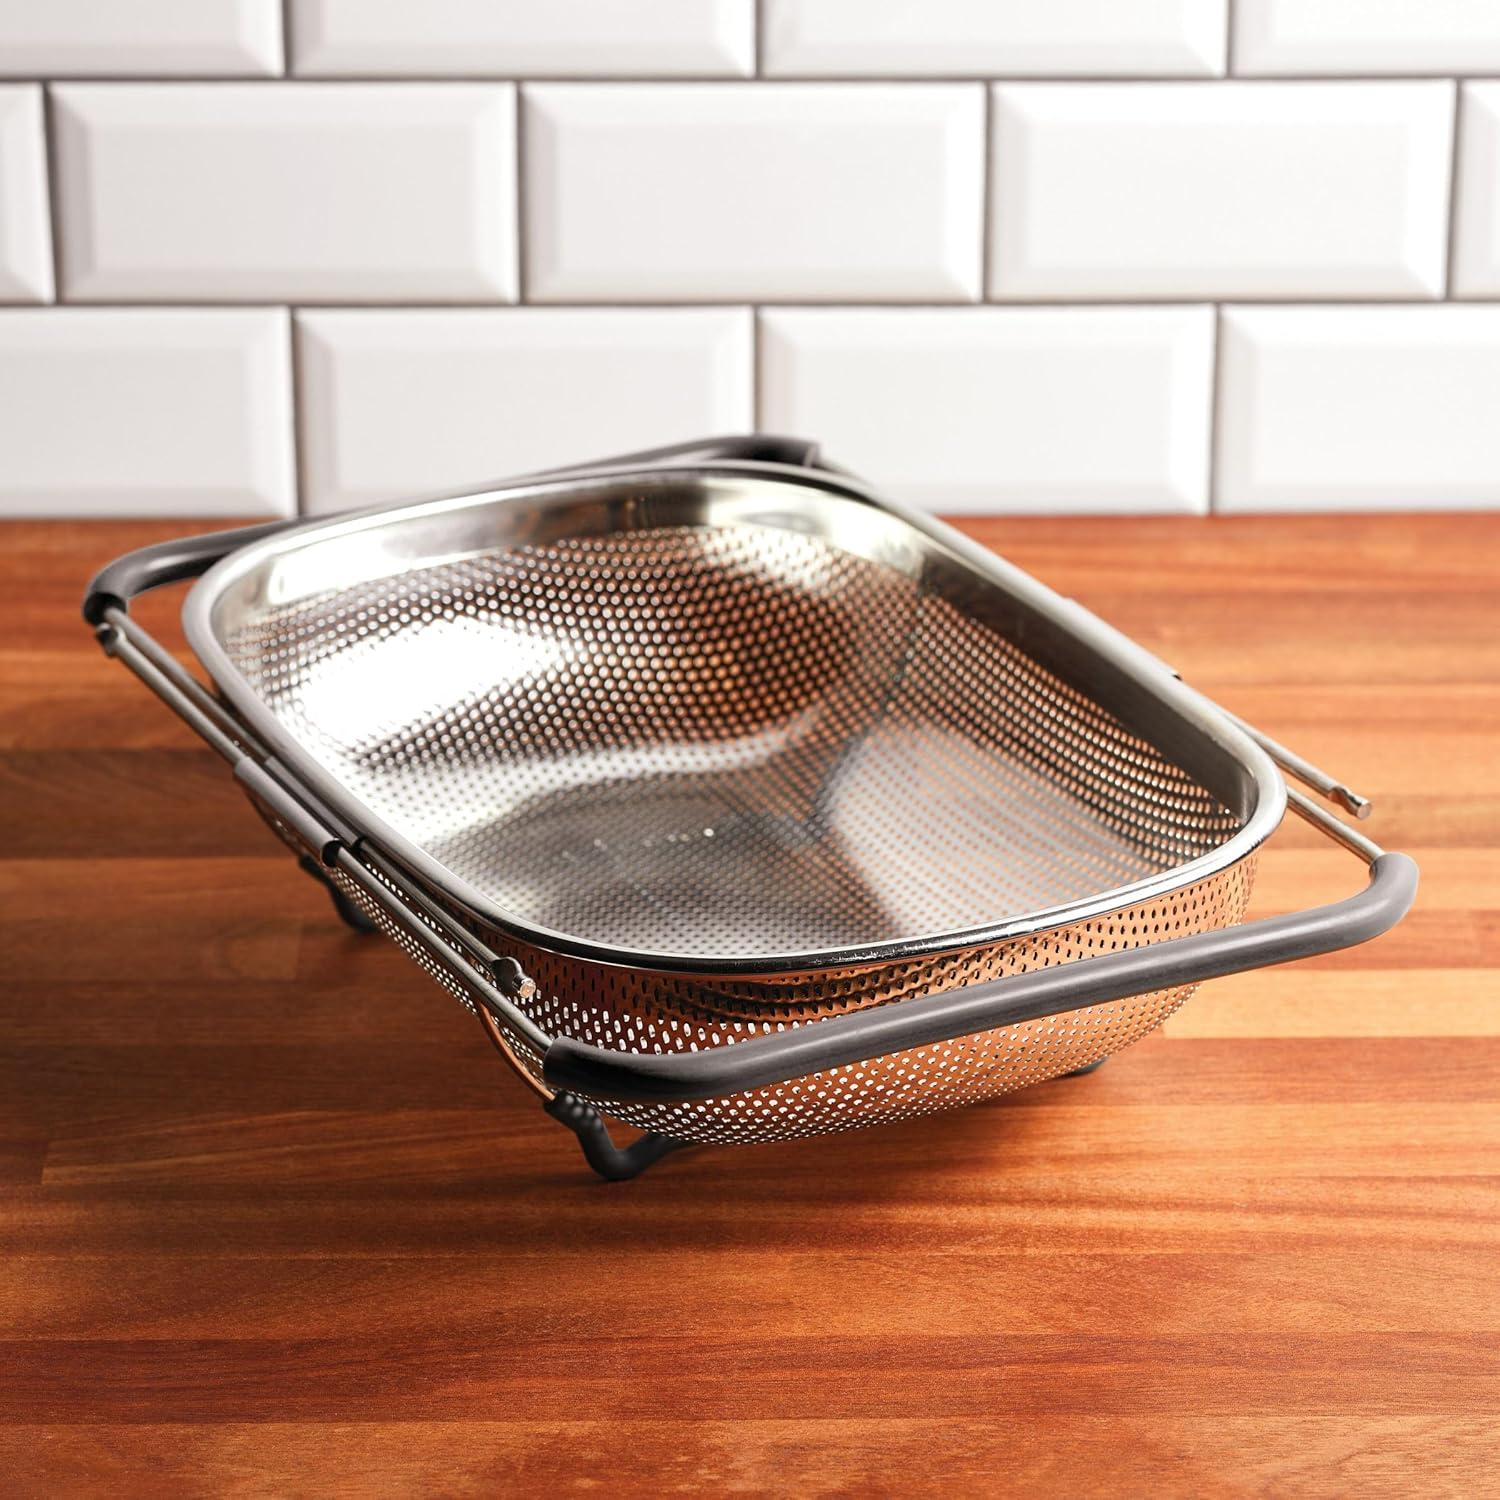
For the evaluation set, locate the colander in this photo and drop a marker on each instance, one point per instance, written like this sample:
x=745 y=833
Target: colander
x=736 y=801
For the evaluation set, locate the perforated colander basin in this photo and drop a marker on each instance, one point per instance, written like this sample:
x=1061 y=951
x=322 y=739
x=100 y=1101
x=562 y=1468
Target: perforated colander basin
x=721 y=740
x=679 y=759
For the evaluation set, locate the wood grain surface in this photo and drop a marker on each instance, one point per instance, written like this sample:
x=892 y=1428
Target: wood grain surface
x=274 y=1220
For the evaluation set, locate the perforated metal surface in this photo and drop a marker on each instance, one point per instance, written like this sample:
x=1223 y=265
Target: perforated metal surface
x=743 y=740
x=667 y=1013
x=731 y=741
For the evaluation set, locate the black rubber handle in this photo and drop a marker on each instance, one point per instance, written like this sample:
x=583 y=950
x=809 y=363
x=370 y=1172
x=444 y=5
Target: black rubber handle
x=680 y=1076
x=116 y=584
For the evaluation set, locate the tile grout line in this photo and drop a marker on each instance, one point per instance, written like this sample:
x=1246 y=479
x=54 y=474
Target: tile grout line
x=1215 y=405
x=1231 y=61
x=757 y=403
x=747 y=299
x=758 y=39
x=522 y=200
x=293 y=375
x=987 y=195
x=294 y=391
x=54 y=207
x=741 y=80
x=1454 y=167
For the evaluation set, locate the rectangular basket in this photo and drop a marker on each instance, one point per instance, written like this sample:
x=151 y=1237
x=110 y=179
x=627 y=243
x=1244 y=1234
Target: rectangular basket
x=739 y=802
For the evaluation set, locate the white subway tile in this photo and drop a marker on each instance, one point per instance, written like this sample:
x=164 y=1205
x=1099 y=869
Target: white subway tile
x=75 y=38
x=1476 y=244
x=412 y=403
x=1359 y=408
x=520 y=38
x=1366 y=36
x=1220 y=189
x=135 y=412
x=970 y=38
x=25 y=239
x=260 y=191
x=748 y=191
x=1006 y=409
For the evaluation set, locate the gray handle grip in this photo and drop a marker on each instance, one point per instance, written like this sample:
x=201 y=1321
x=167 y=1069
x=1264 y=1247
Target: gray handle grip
x=117 y=583
x=858 y=1037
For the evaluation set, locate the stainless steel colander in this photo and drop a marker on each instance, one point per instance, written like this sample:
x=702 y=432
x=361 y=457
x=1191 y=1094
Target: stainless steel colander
x=737 y=802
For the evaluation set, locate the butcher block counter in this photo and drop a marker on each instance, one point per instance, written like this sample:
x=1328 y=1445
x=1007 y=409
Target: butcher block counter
x=275 y=1220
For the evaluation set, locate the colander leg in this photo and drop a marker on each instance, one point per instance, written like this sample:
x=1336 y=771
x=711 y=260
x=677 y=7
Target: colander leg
x=1087 y=1068
x=349 y=913
x=613 y=1163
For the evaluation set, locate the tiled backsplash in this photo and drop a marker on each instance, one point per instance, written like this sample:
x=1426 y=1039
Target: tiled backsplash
x=999 y=255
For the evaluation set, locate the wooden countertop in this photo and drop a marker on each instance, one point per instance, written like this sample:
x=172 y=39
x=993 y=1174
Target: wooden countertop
x=273 y=1219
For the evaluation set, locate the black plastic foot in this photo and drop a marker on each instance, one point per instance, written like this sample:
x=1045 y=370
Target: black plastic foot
x=349 y=914
x=613 y=1163
x=1087 y=1068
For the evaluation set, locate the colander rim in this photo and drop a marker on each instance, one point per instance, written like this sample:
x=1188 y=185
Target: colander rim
x=1199 y=713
